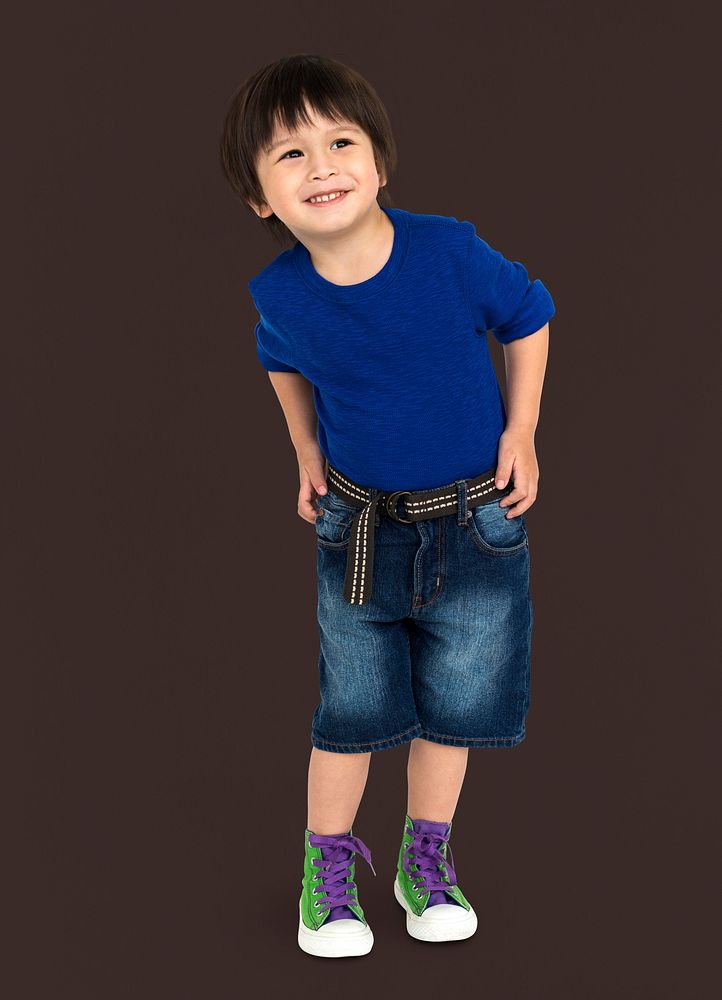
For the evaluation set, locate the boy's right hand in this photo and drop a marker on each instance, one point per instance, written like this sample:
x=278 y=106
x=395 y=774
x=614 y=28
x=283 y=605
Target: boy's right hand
x=312 y=474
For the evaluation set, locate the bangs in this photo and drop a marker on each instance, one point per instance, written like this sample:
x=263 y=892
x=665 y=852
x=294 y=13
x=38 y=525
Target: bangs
x=283 y=96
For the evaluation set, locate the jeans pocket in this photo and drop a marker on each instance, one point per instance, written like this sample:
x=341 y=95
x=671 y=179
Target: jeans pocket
x=333 y=521
x=494 y=533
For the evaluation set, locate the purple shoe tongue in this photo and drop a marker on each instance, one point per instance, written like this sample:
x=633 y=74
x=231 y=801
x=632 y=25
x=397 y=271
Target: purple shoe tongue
x=430 y=826
x=338 y=912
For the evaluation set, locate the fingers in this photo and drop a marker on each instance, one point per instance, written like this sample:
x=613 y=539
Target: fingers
x=519 y=500
x=503 y=473
x=523 y=494
x=516 y=465
x=313 y=485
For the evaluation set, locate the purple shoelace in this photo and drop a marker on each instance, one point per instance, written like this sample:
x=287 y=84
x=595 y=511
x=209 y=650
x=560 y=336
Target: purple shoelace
x=428 y=837
x=337 y=851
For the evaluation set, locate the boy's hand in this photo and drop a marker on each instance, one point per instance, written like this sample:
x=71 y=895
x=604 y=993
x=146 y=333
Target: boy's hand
x=517 y=460
x=312 y=474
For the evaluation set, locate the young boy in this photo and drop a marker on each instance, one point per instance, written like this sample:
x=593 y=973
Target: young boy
x=372 y=326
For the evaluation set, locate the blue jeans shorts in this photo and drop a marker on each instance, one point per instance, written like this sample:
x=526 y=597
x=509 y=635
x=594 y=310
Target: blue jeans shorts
x=442 y=649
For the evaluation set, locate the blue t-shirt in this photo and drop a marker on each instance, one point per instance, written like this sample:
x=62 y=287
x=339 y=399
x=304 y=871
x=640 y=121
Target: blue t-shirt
x=403 y=383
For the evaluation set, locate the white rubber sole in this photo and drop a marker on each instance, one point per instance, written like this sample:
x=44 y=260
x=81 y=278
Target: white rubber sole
x=338 y=939
x=442 y=922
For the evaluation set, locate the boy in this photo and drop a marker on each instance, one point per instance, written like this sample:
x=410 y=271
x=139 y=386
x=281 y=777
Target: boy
x=372 y=326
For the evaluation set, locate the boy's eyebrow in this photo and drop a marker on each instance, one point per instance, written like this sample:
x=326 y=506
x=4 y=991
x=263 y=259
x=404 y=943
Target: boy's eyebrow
x=336 y=128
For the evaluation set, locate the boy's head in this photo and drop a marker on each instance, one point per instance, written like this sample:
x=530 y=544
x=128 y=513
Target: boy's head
x=305 y=125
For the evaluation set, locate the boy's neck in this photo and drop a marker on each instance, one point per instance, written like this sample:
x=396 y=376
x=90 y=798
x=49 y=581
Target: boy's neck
x=351 y=257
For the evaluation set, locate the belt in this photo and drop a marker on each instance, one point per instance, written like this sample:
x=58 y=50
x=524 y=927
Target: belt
x=419 y=505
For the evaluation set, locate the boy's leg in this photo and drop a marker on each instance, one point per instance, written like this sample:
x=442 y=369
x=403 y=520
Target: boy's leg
x=435 y=776
x=331 y=921
x=426 y=885
x=336 y=783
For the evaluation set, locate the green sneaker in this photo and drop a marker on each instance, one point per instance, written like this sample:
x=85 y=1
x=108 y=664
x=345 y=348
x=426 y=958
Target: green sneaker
x=426 y=886
x=331 y=922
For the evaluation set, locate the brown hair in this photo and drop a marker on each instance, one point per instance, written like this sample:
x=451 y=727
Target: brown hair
x=278 y=93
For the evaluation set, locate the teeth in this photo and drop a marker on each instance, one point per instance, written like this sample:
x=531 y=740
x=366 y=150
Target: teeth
x=327 y=197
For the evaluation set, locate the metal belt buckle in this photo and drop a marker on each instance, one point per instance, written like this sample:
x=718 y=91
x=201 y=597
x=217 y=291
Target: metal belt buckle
x=391 y=502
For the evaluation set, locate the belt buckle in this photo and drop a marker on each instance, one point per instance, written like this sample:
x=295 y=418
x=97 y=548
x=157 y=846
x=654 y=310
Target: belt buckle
x=391 y=502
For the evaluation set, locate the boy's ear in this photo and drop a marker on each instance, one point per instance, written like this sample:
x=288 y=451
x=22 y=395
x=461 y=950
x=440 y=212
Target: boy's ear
x=262 y=209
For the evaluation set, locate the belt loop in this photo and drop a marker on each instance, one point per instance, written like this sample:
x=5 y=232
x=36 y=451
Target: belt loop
x=374 y=491
x=463 y=513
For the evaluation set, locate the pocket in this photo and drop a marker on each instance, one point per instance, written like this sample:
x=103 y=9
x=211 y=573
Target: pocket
x=496 y=534
x=333 y=521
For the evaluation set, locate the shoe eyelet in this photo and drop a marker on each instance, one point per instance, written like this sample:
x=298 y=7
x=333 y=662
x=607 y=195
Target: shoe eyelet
x=316 y=902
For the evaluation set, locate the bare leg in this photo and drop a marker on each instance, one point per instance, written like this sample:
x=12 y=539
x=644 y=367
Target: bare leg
x=336 y=783
x=435 y=776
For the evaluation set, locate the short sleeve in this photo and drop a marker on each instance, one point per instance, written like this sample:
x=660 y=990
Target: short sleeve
x=269 y=362
x=502 y=298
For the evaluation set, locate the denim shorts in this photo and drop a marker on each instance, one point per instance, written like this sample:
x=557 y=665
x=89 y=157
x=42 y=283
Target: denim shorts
x=442 y=649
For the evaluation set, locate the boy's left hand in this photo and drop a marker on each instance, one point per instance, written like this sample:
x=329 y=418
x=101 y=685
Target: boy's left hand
x=517 y=460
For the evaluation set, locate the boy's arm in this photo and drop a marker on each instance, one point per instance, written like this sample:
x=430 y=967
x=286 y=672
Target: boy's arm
x=295 y=394
x=525 y=360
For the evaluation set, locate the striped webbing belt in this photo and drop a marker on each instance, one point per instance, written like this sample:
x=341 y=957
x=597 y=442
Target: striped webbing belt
x=419 y=505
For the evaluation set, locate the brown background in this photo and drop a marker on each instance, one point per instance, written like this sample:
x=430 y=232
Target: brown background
x=160 y=646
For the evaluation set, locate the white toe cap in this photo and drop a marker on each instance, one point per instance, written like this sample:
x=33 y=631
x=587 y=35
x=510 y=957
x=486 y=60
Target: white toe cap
x=446 y=912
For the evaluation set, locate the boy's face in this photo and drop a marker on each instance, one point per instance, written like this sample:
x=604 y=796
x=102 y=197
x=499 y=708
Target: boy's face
x=319 y=158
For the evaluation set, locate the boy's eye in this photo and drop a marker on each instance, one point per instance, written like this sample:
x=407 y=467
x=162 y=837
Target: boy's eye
x=333 y=144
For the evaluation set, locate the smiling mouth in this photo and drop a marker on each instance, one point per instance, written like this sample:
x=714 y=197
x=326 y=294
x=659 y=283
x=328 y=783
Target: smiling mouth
x=339 y=196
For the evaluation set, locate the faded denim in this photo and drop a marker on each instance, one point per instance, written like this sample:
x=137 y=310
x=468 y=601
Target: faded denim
x=442 y=650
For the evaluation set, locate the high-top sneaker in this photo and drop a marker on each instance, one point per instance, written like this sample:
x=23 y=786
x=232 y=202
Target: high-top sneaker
x=331 y=923
x=426 y=886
